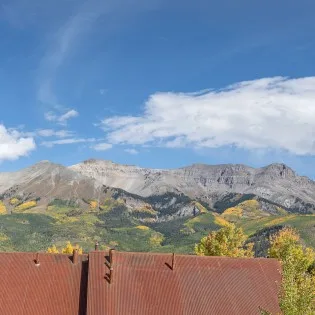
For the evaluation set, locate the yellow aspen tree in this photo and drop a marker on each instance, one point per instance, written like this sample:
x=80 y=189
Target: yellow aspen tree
x=228 y=241
x=298 y=280
x=52 y=250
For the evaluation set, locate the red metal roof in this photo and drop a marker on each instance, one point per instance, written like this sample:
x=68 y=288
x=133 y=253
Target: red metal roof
x=55 y=287
x=144 y=283
x=141 y=283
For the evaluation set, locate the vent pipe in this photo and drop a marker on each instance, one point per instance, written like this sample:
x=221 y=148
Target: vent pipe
x=37 y=260
x=96 y=245
x=75 y=257
x=111 y=268
x=173 y=261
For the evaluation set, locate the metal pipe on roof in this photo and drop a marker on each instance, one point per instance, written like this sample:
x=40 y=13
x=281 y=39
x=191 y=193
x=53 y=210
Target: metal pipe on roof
x=111 y=275
x=111 y=256
x=111 y=269
x=37 y=263
x=173 y=261
x=96 y=245
x=75 y=257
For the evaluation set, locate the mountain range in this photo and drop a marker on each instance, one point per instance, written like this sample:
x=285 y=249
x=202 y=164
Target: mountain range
x=168 y=202
x=275 y=183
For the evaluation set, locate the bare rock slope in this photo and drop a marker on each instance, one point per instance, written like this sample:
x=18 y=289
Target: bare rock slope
x=210 y=183
x=47 y=181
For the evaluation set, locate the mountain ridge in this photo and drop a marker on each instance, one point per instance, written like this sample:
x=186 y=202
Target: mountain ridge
x=276 y=182
x=210 y=184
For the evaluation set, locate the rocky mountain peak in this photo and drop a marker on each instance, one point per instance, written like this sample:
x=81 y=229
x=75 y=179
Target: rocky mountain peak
x=96 y=161
x=279 y=170
x=276 y=182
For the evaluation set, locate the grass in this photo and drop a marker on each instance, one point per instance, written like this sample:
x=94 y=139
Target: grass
x=26 y=232
x=248 y=209
x=305 y=225
x=182 y=234
x=115 y=226
x=200 y=207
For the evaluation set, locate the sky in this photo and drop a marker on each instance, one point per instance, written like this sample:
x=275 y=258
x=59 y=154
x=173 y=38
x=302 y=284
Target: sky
x=157 y=83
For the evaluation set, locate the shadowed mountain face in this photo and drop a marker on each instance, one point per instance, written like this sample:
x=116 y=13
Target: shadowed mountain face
x=277 y=182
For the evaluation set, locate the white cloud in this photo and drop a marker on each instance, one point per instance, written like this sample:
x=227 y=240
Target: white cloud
x=131 y=151
x=276 y=113
x=61 y=119
x=52 y=143
x=102 y=146
x=13 y=146
x=54 y=133
x=70 y=114
x=45 y=133
x=50 y=116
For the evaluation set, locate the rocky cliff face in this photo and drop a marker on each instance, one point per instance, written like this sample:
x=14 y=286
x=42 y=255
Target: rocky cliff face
x=276 y=182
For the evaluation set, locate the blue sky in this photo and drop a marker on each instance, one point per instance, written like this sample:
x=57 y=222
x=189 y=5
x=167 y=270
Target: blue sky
x=157 y=83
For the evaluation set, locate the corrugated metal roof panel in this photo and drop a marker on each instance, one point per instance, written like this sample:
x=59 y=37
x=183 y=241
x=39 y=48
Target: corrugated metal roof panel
x=55 y=287
x=145 y=284
x=142 y=283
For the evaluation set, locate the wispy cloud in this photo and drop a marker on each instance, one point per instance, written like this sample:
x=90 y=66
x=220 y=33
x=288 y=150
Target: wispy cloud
x=101 y=146
x=13 y=146
x=53 y=133
x=62 y=43
x=61 y=119
x=276 y=113
x=45 y=133
x=50 y=144
x=132 y=151
x=71 y=34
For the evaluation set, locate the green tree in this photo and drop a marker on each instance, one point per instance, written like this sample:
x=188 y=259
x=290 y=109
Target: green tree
x=298 y=280
x=228 y=241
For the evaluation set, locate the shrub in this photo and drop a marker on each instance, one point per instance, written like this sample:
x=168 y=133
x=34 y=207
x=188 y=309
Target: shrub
x=3 y=209
x=26 y=205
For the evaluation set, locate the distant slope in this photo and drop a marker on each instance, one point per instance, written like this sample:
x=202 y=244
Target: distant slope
x=45 y=182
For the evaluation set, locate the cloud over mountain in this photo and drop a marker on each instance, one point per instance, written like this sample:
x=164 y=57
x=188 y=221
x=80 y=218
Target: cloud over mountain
x=276 y=113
